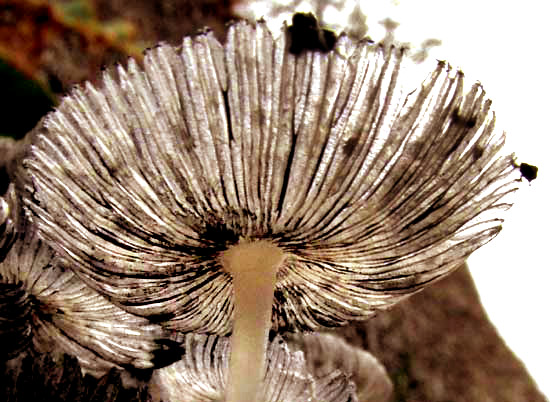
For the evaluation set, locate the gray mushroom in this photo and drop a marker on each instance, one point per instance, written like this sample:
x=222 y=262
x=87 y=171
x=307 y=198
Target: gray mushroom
x=202 y=375
x=44 y=303
x=240 y=188
x=327 y=353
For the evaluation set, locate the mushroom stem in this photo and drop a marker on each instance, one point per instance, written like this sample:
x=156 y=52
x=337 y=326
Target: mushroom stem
x=253 y=266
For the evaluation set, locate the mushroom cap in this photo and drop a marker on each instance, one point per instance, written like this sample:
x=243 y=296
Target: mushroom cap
x=15 y=307
x=371 y=187
x=46 y=304
x=327 y=353
x=202 y=373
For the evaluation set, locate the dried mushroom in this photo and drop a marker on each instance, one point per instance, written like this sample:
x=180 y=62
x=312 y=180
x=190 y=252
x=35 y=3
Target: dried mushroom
x=202 y=375
x=242 y=188
x=44 y=303
x=326 y=353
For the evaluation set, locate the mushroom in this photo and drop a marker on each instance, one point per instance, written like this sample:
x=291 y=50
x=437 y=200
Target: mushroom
x=44 y=303
x=327 y=353
x=202 y=374
x=241 y=188
x=14 y=304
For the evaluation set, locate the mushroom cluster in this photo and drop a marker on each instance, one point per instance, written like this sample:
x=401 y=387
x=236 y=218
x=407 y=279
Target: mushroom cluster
x=221 y=196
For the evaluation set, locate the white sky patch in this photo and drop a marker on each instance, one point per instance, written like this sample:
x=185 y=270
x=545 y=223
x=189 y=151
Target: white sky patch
x=504 y=46
x=501 y=44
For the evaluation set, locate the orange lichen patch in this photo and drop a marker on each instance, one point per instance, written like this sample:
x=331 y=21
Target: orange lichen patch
x=23 y=33
x=28 y=26
x=80 y=16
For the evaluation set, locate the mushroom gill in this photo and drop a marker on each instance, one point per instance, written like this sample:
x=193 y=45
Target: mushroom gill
x=44 y=303
x=326 y=353
x=363 y=188
x=202 y=374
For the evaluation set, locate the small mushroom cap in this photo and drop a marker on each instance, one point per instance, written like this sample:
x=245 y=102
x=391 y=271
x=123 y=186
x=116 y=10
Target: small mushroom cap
x=326 y=353
x=15 y=306
x=202 y=373
x=49 y=305
x=372 y=188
